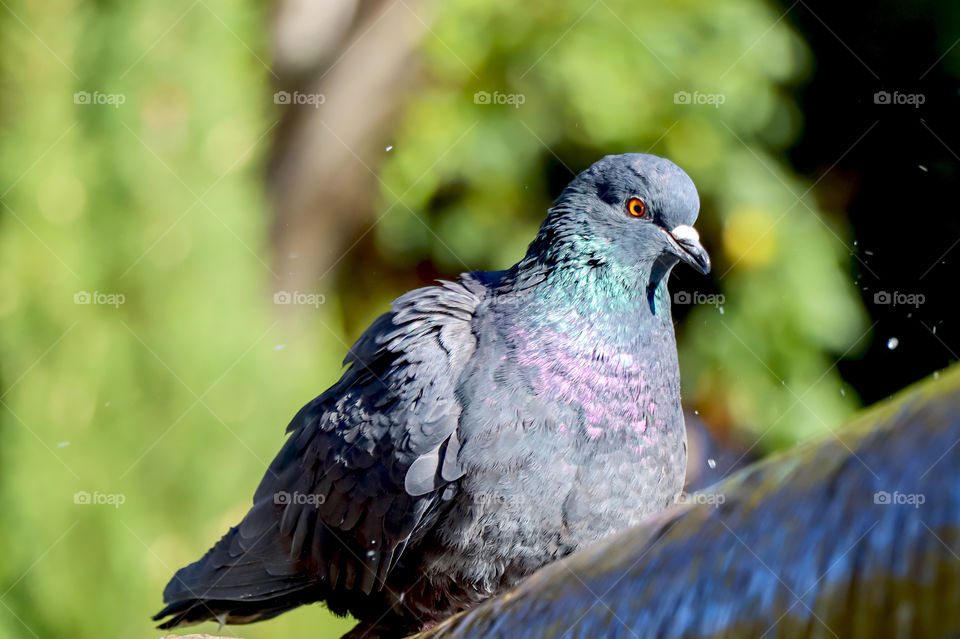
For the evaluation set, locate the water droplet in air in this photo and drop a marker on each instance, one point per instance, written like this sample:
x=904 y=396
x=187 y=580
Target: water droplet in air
x=389 y=147
x=892 y=343
x=712 y=463
x=279 y=347
x=720 y=308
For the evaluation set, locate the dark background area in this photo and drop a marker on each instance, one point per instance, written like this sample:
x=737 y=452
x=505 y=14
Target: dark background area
x=899 y=183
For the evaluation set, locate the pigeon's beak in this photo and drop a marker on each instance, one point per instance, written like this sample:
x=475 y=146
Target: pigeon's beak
x=687 y=246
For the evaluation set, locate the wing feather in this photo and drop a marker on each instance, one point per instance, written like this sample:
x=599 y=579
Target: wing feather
x=367 y=461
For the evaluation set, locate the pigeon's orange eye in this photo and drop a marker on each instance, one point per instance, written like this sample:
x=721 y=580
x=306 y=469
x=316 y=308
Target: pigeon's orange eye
x=636 y=207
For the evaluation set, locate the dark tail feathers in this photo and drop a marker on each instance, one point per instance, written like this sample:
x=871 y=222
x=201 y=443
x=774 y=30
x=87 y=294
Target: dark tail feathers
x=236 y=582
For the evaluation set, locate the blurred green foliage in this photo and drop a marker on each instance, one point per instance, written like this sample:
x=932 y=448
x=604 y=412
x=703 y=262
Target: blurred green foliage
x=175 y=399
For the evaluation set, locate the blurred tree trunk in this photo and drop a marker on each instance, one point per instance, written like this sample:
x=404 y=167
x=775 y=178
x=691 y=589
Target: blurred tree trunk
x=359 y=56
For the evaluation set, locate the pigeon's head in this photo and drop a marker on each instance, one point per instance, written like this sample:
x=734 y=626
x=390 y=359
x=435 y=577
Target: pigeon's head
x=633 y=208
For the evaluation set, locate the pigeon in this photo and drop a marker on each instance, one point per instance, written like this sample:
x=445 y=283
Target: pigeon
x=855 y=535
x=482 y=428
